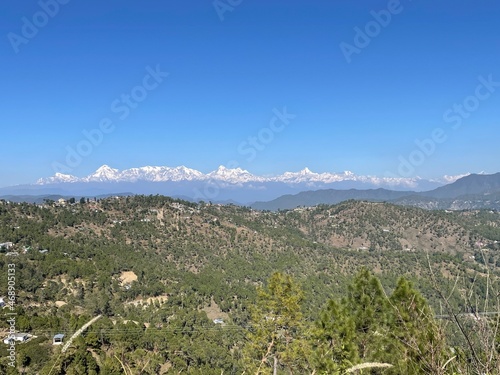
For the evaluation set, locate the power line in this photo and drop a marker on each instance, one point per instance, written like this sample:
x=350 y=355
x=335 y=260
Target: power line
x=472 y=315
x=145 y=329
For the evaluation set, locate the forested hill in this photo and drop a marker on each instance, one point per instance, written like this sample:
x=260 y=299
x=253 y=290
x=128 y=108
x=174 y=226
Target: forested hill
x=470 y=192
x=177 y=281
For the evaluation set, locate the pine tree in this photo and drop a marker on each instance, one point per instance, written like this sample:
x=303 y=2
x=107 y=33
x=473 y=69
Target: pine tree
x=335 y=334
x=368 y=305
x=419 y=346
x=277 y=339
x=356 y=329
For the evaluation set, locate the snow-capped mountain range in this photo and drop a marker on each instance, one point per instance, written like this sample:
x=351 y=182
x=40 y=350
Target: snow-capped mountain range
x=237 y=176
x=222 y=185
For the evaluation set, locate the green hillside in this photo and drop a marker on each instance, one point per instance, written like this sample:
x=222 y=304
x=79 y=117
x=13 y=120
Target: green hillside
x=187 y=288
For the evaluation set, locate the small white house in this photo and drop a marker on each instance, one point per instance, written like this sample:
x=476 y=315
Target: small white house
x=6 y=245
x=58 y=339
x=19 y=337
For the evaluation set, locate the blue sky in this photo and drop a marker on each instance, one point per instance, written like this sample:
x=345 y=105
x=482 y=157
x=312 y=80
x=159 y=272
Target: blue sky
x=231 y=68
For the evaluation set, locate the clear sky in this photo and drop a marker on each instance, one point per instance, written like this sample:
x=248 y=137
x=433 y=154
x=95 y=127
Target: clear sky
x=361 y=81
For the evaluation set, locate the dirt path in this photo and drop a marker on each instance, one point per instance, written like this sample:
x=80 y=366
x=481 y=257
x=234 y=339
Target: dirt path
x=79 y=332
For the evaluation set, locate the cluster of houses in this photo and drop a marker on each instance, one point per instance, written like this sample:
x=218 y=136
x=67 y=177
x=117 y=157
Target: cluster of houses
x=20 y=338
x=7 y=246
x=16 y=337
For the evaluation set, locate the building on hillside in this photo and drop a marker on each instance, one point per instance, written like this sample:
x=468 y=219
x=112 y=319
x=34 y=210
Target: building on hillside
x=58 y=339
x=19 y=337
x=6 y=245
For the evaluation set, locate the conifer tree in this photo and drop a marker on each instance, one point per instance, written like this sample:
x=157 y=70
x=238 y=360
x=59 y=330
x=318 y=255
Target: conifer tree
x=419 y=346
x=356 y=330
x=368 y=305
x=278 y=336
x=335 y=334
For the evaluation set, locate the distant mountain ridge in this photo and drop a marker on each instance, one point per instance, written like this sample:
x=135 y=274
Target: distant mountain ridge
x=472 y=184
x=470 y=192
x=329 y=196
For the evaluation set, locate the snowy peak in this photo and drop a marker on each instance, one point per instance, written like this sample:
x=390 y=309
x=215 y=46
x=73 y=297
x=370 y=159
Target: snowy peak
x=57 y=178
x=186 y=173
x=222 y=170
x=305 y=171
x=103 y=174
x=306 y=175
x=159 y=174
x=235 y=175
x=449 y=179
